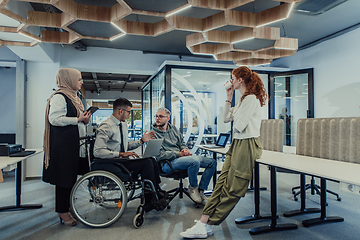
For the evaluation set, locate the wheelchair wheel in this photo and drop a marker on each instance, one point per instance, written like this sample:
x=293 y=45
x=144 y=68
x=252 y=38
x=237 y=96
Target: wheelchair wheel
x=138 y=220
x=98 y=199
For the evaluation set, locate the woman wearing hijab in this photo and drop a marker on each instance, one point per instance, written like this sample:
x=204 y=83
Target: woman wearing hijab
x=64 y=124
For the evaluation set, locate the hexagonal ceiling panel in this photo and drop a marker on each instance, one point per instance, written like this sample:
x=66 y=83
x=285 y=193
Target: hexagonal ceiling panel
x=128 y=24
x=94 y=29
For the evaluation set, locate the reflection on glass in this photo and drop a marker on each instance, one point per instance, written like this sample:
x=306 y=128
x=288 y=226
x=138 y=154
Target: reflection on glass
x=291 y=103
x=146 y=108
x=158 y=92
x=198 y=98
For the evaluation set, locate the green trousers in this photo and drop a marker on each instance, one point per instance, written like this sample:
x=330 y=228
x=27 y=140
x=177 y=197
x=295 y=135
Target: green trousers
x=234 y=179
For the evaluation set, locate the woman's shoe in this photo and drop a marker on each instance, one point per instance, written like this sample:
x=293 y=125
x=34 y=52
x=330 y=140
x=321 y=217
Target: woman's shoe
x=71 y=222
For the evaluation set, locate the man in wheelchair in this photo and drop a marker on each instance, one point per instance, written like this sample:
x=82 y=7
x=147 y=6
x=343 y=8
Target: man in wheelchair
x=112 y=143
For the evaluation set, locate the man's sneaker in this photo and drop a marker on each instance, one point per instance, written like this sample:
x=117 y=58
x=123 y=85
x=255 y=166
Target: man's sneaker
x=204 y=199
x=197 y=231
x=209 y=230
x=194 y=194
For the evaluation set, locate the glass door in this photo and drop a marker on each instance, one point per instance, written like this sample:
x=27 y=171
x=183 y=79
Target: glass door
x=292 y=98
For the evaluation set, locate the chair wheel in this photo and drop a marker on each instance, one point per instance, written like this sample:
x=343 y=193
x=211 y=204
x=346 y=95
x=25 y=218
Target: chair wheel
x=197 y=205
x=339 y=199
x=138 y=220
x=295 y=199
x=168 y=207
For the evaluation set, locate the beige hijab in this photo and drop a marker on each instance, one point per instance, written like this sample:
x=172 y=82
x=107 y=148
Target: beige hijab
x=67 y=80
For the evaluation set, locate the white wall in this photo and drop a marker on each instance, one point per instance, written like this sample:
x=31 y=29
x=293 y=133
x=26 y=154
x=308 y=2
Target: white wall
x=336 y=74
x=40 y=82
x=7 y=106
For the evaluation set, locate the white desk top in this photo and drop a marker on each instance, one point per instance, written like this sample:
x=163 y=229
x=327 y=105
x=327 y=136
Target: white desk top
x=215 y=150
x=325 y=168
x=5 y=160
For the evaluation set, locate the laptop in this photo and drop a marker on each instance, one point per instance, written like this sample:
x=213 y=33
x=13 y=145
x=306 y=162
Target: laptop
x=152 y=148
x=220 y=142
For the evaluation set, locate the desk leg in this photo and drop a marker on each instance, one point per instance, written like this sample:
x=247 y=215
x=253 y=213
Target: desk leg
x=322 y=218
x=18 y=205
x=273 y=226
x=214 y=178
x=302 y=209
x=257 y=189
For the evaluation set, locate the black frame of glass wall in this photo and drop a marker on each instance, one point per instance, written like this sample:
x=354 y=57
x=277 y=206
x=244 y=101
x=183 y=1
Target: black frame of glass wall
x=272 y=75
x=271 y=86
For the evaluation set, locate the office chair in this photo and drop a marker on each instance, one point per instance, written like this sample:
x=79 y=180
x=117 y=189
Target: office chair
x=180 y=175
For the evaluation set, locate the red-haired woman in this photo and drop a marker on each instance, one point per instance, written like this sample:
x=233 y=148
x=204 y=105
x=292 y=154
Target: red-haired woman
x=245 y=148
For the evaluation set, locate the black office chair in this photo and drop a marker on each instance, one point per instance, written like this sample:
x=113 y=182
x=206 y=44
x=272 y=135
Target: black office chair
x=177 y=174
x=314 y=188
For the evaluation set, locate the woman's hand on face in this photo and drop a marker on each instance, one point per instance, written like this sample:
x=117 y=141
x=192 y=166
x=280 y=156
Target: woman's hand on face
x=85 y=117
x=230 y=91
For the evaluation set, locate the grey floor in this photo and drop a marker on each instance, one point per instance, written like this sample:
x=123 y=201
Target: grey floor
x=43 y=223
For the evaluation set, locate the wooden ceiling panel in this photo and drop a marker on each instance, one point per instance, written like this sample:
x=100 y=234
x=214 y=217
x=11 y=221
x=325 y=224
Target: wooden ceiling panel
x=205 y=39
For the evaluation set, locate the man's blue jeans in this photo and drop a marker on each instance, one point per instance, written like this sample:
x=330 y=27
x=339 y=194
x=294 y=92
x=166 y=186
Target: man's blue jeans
x=193 y=164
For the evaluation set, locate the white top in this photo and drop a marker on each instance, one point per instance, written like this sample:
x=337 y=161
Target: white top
x=57 y=117
x=108 y=139
x=6 y=160
x=246 y=117
x=318 y=167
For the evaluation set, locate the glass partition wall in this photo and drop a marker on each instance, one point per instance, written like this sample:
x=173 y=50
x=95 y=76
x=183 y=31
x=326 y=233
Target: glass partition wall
x=292 y=97
x=196 y=98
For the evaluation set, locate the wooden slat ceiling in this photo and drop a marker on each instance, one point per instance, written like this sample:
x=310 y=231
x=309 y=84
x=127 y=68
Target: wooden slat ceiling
x=112 y=20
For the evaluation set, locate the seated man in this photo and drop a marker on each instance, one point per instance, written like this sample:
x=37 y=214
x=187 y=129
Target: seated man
x=174 y=149
x=112 y=142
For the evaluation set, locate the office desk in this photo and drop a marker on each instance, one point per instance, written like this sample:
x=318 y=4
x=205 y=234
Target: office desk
x=322 y=168
x=4 y=162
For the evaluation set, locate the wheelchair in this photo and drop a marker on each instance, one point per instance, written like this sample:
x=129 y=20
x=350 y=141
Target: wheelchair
x=99 y=197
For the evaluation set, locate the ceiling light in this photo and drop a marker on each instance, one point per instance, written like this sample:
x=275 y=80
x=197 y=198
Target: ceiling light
x=304 y=11
x=291 y=8
x=118 y=27
x=179 y=10
x=284 y=48
x=117 y=36
x=271 y=22
x=29 y=36
x=243 y=40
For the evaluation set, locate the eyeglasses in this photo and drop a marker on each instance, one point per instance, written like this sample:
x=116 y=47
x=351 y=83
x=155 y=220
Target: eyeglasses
x=160 y=116
x=126 y=110
x=81 y=80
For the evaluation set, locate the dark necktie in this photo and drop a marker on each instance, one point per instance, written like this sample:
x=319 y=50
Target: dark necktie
x=122 y=148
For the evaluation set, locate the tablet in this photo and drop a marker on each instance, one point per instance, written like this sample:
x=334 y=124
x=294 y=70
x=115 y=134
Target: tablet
x=92 y=109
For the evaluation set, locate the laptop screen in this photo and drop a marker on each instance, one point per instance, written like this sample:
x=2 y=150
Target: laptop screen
x=223 y=138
